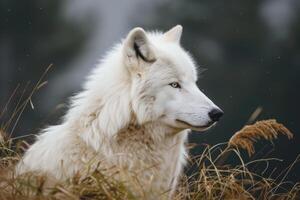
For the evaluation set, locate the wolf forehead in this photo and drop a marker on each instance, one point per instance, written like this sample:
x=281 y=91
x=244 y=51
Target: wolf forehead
x=170 y=58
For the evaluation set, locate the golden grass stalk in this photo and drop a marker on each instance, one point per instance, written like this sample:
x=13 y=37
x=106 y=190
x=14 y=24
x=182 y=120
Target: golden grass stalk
x=249 y=134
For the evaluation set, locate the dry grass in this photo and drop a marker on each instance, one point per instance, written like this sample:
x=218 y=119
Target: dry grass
x=213 y=180
x=240 y=181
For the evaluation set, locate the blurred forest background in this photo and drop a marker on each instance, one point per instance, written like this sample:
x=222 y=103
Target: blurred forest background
x=251 y=50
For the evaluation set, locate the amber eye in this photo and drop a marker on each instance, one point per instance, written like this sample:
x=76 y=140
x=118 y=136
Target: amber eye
x=175 y=85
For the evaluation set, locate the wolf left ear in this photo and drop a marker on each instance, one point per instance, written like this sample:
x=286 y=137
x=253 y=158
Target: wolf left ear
x=137 y=47
x=174 y=34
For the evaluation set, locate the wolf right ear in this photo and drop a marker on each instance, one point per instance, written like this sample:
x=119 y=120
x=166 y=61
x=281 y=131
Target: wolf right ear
x=174 y=34
x=137 y=47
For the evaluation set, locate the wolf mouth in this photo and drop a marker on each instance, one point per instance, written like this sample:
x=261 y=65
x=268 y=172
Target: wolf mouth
x=190 y=125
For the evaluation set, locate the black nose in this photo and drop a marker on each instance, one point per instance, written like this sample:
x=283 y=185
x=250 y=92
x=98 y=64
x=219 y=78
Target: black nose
x=215 y=114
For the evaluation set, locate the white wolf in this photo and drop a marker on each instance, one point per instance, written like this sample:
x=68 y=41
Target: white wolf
x=134 y=113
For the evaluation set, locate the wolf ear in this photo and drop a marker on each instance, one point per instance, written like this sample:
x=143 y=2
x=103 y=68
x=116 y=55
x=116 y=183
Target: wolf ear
x=137 y=47
x=174 y=34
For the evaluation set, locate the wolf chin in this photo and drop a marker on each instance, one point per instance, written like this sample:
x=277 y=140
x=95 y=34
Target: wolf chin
x=134 y=114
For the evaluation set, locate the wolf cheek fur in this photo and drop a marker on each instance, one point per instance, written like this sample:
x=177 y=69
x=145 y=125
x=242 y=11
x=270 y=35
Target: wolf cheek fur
x=134 y=113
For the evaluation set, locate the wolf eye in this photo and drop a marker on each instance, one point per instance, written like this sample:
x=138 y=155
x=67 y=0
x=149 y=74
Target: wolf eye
x=175 y=85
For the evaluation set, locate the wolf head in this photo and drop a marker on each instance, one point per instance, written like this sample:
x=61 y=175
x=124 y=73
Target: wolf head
x=163 y=81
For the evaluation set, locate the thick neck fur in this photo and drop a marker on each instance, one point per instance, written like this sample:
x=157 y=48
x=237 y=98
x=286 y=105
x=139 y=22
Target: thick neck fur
x=113 y=130
x=90 y=114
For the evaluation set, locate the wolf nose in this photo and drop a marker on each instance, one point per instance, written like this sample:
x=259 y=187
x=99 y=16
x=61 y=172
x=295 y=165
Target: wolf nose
x=215 y=114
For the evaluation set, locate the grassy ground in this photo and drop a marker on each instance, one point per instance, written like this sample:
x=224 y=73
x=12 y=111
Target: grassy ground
x=214 y=179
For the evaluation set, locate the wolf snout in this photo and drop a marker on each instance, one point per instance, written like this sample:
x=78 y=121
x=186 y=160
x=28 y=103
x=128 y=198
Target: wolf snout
x=215 y=114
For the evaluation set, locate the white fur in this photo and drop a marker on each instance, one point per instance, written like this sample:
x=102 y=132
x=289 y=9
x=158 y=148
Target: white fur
x=128 y=116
